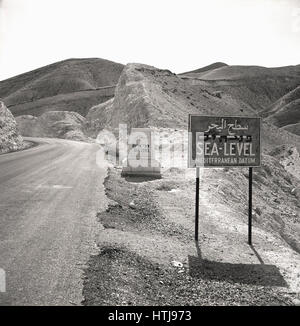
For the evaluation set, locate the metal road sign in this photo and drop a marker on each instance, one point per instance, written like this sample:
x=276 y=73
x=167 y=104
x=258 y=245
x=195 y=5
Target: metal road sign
x=224 y=141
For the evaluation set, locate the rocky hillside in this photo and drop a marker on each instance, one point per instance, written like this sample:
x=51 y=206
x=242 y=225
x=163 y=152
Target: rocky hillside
x=142 y=95
x=70 y=85
x=10 y=139
x=258 y=87
x=147 y=96
x=285 y=113
x=55 y=124
x=288 y=157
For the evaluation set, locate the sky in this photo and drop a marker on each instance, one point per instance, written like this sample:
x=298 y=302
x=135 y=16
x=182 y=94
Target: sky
x=179 y=35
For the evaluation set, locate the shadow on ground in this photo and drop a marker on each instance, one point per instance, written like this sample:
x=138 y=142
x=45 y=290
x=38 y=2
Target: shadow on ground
x=255 y=274
x=140 y=179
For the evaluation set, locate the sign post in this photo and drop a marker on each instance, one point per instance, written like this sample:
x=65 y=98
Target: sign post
x=250 y=208
x=224 y=142
x=197 y=204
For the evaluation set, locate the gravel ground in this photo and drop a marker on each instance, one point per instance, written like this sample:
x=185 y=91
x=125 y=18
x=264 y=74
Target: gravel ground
x=120 y=277
x=149 y=258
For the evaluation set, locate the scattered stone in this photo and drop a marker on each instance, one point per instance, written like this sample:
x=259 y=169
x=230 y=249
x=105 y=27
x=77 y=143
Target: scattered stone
x=177 y=264
x=132 y=205
x=174 y=190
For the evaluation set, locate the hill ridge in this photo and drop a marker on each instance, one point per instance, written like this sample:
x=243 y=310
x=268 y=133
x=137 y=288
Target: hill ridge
x=64 y=77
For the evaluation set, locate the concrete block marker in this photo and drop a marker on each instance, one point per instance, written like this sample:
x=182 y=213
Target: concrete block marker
x=141 y=159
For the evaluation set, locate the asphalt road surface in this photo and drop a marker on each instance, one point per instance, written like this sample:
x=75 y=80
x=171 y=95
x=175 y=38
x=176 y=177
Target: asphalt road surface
x=49 y=197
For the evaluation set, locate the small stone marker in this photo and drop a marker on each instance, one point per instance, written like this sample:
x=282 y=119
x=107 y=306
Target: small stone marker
x=140 y=159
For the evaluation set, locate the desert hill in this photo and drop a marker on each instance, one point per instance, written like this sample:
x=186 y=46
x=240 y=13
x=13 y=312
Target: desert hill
x=97 y=89
x=285 y=112
x=259 y=87
x=293 y=128
x=69 y=85
x=206 y=68
x=147 y=96
x=236 y=72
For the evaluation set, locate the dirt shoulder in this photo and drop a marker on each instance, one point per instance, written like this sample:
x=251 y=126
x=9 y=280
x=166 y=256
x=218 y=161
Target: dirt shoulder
x=148 y=255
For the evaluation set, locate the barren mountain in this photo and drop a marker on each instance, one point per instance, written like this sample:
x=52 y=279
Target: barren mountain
x=147 y=96
x=70 y=85
x=285 y=112
x=293 y=128
x=206 y=68
x=236 y=72
x=258 y=87
x=10 y=139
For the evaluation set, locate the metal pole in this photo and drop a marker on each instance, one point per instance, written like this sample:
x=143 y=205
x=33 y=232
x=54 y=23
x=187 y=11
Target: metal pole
x=197 y=204
x=250 y=209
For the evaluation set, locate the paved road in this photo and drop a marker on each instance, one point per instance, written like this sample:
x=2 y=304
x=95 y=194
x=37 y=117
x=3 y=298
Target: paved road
x=49 y=197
